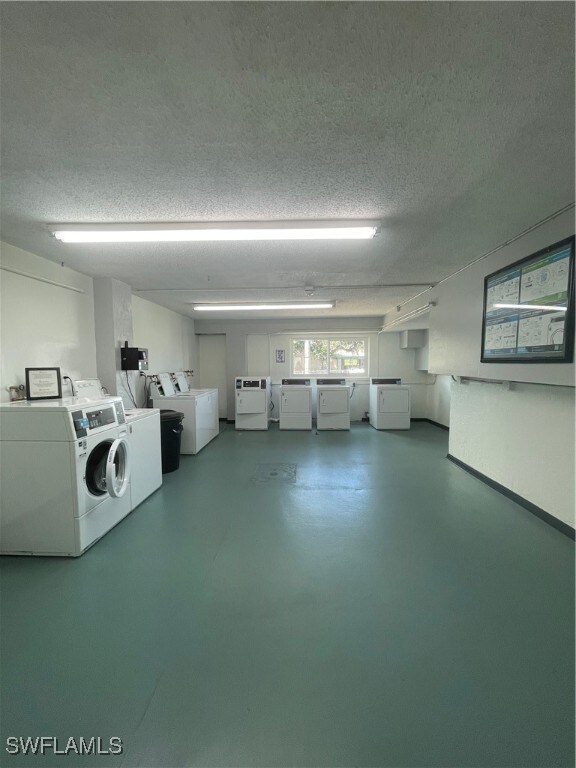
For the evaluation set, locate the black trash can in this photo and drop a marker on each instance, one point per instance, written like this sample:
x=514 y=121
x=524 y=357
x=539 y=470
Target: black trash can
x=170 y=437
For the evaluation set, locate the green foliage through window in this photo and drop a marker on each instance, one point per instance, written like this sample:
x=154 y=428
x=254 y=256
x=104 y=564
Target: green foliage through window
x=329 y=357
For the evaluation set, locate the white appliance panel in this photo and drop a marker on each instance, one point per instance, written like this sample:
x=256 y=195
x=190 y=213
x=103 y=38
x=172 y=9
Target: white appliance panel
x=91 y=388
x=248 y=401
x=146 y=452
x=38 y=507
x=296 y=407
x=334 y=400
x=394 y=400
x=333 y=407
x=295 y=400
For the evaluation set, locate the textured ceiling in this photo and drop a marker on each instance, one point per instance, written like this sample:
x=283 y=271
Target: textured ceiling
x=451 y=123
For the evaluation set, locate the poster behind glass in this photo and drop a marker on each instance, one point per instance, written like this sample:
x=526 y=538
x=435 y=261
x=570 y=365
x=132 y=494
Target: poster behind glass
x=529 y=308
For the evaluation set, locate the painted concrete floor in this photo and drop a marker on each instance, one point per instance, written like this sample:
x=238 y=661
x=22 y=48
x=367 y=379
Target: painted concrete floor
x=302 y=599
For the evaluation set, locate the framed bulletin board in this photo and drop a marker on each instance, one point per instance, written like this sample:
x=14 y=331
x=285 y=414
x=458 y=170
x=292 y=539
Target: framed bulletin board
x=528 y=312
x=43 y=383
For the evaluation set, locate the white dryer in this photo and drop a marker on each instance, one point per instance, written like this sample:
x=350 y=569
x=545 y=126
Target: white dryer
x=332 y=404
x=66 y=474
x=389 y=404
x=296 y=404
x=252 y=402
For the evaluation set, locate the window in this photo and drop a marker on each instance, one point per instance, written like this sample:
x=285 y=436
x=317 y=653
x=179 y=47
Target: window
x=329 y=357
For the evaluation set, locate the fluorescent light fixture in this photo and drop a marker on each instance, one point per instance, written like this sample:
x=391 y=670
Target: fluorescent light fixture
x=257 y=307
x=530 y=306
x=142 y=233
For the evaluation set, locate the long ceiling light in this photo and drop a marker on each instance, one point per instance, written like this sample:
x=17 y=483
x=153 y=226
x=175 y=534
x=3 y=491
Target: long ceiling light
x=257 y=307
x=142 y=233
x=530 y=306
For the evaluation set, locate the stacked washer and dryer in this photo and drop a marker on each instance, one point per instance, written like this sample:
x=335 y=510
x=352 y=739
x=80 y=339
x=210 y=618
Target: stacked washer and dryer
x=66 y=474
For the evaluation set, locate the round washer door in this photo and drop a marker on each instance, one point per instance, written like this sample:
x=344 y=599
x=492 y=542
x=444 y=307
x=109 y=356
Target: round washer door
x=108 y=468
x=118 y=468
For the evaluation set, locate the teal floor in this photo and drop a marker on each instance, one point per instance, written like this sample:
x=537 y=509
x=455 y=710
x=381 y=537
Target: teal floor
x=302 y=599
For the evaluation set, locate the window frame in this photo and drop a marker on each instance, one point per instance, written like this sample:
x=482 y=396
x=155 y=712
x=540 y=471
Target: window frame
x=331 y=337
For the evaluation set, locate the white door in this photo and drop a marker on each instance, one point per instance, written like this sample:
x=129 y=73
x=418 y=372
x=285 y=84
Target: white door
x=212 y=367
x=251 y=401
x=394 y=400
x=334 y=401
x=295 y=400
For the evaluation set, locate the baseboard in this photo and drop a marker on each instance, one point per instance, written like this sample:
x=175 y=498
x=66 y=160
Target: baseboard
x=564 y=528
x=435 y=423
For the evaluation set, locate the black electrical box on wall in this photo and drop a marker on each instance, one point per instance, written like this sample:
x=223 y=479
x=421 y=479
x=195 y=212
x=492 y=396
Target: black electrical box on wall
x=133 y=359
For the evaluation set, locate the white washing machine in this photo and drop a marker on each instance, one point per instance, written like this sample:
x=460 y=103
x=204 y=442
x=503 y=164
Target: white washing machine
x=252 y=402
x=66 y=474
x=143 y=426
x=200 y=408
x=296 y=404
x=146 y=453
x=332 y=404
x=389 y=404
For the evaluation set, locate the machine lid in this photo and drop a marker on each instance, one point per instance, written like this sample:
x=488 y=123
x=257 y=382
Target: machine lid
x=166 y=384
x=182 y=382
x=63 y=404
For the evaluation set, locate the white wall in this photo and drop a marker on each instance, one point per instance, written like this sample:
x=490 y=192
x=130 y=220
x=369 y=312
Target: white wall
x=44 y=324
x=438 y=403
x=456 y=321
x=523 y=439
x=394 y=362
x=168 y=337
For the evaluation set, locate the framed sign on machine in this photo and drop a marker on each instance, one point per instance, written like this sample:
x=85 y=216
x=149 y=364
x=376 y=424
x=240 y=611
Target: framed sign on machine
x=529 y=309
x=43 y=383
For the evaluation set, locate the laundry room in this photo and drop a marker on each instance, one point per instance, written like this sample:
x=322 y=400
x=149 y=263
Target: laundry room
x=287 y=418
